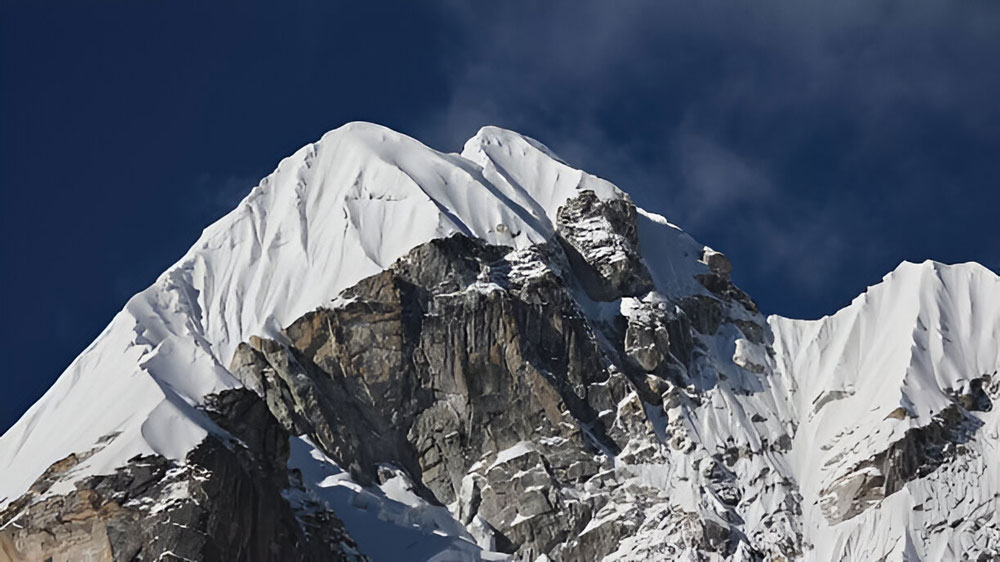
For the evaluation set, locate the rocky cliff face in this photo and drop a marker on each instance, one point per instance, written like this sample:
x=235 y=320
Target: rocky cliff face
x=225 y=502
x=569 y=382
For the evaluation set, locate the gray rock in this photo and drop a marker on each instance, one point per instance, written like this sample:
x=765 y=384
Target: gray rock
x=428 y=370
x=601 y=239
x=921 y=451
x=224 y=503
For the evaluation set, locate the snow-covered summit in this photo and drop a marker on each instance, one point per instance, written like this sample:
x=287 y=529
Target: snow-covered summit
x=331 y=214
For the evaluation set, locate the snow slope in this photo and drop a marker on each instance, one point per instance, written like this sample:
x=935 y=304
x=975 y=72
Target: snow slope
x=333 y=213
x=913 y=341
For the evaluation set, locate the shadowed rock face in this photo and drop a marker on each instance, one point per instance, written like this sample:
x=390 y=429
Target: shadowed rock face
x=224 y=503
x=449 y=365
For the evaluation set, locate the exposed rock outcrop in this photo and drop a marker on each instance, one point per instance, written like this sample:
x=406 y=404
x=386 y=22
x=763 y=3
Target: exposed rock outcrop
x=224 y=503
x=919 y=452
x=601 y=240
x=433 y=365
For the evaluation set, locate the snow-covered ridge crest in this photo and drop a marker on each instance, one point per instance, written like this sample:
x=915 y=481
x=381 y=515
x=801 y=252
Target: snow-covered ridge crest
x=903 y=355
x=927 y=329
x=331 y=214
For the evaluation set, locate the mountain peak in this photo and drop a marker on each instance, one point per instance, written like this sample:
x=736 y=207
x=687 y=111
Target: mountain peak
x=334 y=212
x=380 y=329
x=491 y=135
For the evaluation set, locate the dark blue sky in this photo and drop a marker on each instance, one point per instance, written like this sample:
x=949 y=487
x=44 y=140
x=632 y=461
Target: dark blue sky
x=817 y=143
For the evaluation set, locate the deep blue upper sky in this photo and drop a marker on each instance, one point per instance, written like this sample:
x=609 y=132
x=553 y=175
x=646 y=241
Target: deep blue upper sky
x=818 y=144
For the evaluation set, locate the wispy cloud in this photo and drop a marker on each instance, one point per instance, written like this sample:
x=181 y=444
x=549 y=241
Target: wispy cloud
x=221 y=194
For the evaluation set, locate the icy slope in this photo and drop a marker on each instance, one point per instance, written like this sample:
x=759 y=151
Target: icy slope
x=332 y=214
x=909 y=353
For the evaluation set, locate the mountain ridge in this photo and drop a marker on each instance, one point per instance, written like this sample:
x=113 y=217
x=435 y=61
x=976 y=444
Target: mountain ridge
x=678 y=385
